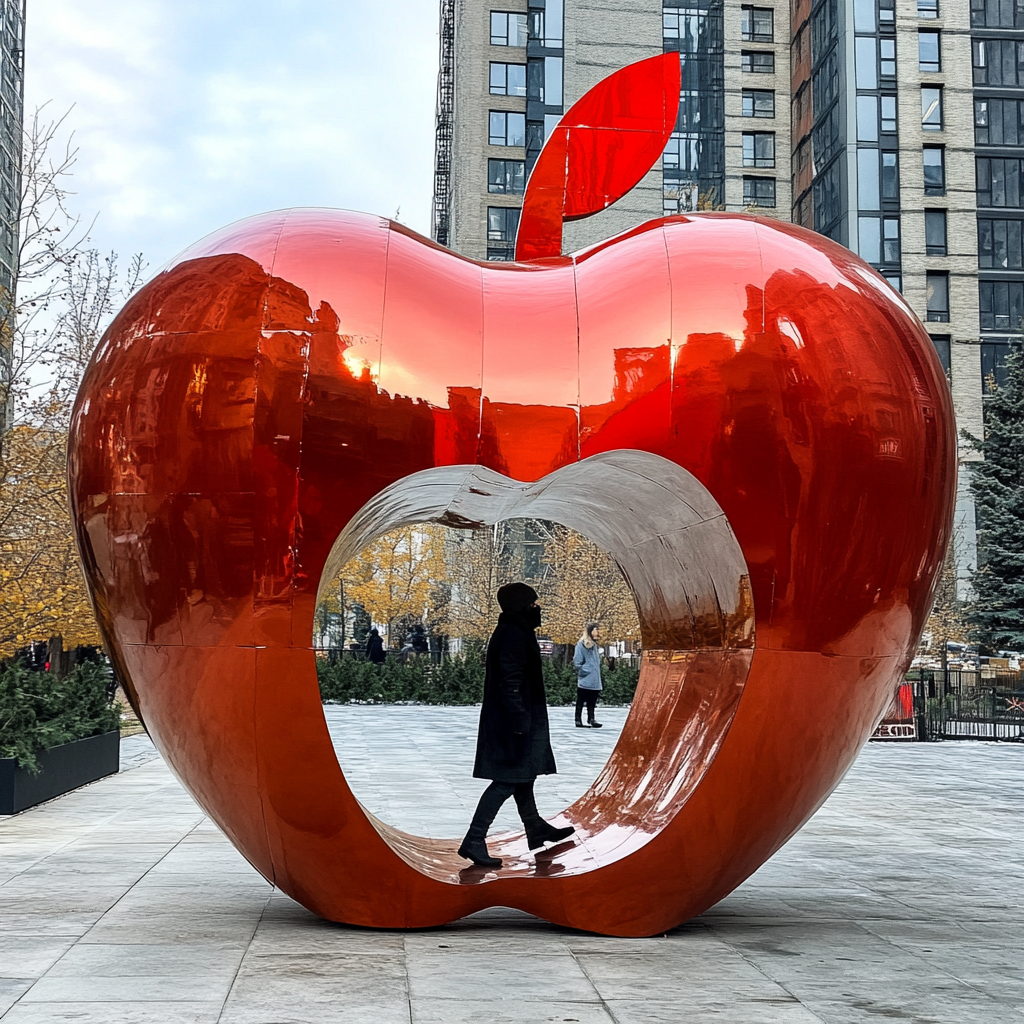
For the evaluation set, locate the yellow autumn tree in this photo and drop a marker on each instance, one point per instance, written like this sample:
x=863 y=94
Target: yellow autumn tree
x=584 y=585
x=394 y=577
x=43 y=592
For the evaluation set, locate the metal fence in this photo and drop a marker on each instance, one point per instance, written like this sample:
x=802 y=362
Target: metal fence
x=956 y=705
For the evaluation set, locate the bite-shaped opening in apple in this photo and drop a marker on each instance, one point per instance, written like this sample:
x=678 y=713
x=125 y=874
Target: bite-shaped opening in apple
x=689 y=580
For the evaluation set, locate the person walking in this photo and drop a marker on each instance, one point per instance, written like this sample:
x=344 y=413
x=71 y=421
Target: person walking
x=375 y=648
x=587 y=661
x=513 y=745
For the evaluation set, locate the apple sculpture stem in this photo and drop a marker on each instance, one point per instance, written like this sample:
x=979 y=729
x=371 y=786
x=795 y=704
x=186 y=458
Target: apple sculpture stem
x=775 y=441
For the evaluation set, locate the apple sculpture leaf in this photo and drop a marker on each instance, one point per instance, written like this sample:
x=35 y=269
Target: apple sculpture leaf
x=601 y=147
x=742 y=412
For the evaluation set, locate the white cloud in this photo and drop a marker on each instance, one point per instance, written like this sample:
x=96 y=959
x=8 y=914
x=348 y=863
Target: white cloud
x=189 y=115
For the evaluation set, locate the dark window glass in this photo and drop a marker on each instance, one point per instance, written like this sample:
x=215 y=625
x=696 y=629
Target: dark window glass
x=824 y=28
x=758 y=62
x=757 y=24
x=507 y=176
x=890 y=239
x=825 y=82
x=937 y=297
x=888 y=104
x=1001 y=304
x=890 y=177
x=758 y=149
x=828 y=197
x=998 y=122
x=508 y=79
x=998 y=182
x=758 y=103
x=508 y=29
x=934 y=170
x=999 y=244
x=826 y=136
x=993 y=363
x=759 y=191
x=935 y=232
x=887 y=57
x=927 y=8
x=507 y=128
x=942 y=349
x=997 y=13
x=502 y=223
x=931 y=108
x=928 y=51
x=998 y=62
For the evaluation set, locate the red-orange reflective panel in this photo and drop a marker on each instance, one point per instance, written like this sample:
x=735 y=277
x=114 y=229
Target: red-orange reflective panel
x=743 y=381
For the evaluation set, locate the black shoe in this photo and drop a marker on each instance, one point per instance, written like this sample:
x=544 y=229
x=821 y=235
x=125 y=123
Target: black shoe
x=540 y=832
x=580 y=725
x=476 y=851
x=595 y=725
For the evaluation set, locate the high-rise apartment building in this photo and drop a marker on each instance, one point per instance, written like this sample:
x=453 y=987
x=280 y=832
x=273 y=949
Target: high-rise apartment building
x=12 y=42
x=895 y=127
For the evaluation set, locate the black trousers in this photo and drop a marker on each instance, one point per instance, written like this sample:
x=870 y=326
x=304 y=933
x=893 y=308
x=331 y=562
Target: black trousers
x=494 y=796
x=588 y=697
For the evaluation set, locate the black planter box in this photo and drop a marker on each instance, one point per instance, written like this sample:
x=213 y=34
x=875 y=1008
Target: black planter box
x=61 y=769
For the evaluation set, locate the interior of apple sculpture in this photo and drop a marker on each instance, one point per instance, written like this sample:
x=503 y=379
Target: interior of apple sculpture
x=689 y=580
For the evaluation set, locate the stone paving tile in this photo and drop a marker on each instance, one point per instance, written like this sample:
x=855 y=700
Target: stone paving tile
x=478 y=1011
x=183 y=1012
x=11 y=990
x=29 y=956
x=318 y=987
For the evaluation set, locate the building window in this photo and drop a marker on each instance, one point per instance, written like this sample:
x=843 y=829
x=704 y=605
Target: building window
x=758 y=103
x=998 y=122
x=508 y=29
x=999 y=244
x=868 y=193
x=935 y=232
x=759 y=191
x=502 y=225
x=1001 y=304
x=507 y=128
x=993 y=364
x=758 y=62
x=890 y=177
x=890 y=239
x=867 y=118
x=931 y=108
x=927 y=8
x=869 y=239
x=759 y=149
x=894 y=278
x=887 y=12
x=546 y=25
x=942 y=350
x=508 y=79
x=998 y=62
x=929 y=55
x=757 y=24
x=865 y=52
x=997 y=14
x=888 y=114
x=887 y=57
x=937 y=297
x=934 y=170
x=506 y=176
x=998 y=182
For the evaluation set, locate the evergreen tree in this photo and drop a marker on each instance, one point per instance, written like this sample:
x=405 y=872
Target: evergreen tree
x=997 y=612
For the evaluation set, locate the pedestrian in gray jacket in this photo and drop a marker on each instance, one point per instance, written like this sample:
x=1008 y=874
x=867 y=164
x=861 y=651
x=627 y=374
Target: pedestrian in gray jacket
x=587 y=662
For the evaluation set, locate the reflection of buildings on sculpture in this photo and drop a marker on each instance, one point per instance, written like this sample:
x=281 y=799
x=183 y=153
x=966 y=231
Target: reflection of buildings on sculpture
x=12 y=41
x=895 y=127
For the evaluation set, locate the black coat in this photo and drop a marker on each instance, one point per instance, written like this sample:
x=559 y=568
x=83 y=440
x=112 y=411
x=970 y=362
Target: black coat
x=375 y=650
x=513 y=744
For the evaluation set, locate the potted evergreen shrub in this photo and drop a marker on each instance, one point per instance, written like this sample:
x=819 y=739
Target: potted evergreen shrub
x=55 y=733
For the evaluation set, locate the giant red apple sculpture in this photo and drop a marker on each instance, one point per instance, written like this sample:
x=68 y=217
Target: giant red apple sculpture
x=302 y=381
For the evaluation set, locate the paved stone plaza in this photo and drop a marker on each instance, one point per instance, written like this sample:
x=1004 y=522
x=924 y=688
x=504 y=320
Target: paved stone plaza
x=901 y=900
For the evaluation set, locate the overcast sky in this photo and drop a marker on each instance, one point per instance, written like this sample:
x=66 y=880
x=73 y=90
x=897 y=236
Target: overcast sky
x=190 y=114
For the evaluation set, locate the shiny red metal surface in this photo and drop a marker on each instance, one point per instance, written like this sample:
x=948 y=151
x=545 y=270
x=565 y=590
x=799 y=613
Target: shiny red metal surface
x=776 y=439
x=602 y=146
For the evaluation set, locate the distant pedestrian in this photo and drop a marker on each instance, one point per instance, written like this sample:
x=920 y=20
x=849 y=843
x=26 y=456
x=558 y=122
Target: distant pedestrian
x=587 y=662
x=375 y=648
x=513 y=745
